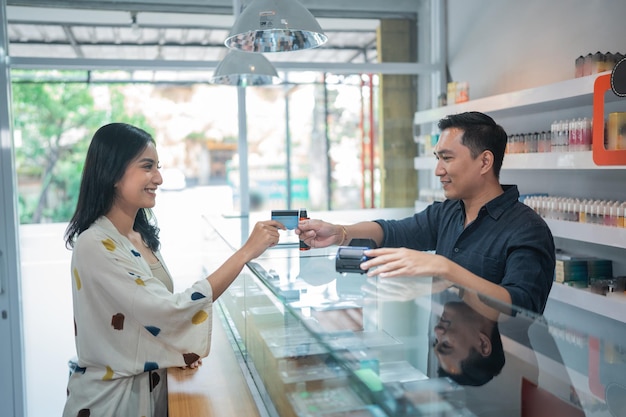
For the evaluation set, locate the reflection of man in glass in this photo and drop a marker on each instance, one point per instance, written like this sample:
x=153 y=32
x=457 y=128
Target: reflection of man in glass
x=467 y=345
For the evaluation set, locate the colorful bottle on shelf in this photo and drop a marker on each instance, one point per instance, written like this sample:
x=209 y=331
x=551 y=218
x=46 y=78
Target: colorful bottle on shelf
x=621 y=215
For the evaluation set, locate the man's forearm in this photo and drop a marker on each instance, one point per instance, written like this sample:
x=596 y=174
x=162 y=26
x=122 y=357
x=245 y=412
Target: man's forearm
x=363 y=230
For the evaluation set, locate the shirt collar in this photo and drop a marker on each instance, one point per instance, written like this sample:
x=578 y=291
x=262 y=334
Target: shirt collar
x=498 y=205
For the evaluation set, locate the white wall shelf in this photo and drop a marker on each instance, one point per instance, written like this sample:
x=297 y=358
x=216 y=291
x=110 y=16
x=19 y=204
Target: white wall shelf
x=534 y=161
x=613 y=306
x=576 y=92
x=591 y=233
x=554 y=160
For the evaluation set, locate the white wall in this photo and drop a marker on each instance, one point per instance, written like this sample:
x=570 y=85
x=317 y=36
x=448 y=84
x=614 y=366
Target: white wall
x=500 y=46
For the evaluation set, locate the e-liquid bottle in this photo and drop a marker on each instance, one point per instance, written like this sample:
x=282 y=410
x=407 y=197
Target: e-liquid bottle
x=303 y=216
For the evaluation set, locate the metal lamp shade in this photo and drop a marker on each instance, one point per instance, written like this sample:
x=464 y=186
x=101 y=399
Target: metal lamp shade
x=245 y=69
x=275 y=26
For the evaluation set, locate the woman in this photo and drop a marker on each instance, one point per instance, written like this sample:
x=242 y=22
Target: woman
x=129 y=326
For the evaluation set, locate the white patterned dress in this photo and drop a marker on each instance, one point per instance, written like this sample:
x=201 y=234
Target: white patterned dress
x=129 y=328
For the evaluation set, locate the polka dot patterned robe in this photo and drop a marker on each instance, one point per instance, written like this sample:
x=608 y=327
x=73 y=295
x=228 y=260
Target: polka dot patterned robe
x=129 y=328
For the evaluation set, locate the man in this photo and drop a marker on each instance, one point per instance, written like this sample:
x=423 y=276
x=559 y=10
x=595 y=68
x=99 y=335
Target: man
x=467 y=345
x=484 y=239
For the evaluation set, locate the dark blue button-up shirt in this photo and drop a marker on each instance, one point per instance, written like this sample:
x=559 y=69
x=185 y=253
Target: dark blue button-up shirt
x=508 y=243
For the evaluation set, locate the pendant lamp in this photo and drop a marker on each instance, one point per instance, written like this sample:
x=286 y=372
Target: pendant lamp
x=245 y=69
x=275 y=26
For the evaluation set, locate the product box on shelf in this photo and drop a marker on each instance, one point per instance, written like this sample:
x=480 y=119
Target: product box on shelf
x=568 y=270
x=599 y=269
x=581 y=269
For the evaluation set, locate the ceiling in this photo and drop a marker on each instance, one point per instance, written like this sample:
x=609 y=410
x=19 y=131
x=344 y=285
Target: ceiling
x=185 y=30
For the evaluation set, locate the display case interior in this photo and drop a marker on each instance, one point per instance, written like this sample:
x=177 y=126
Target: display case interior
x=322 y=343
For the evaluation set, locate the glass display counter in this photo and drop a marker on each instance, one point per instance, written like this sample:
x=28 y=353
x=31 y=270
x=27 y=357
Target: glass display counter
x=322 y=343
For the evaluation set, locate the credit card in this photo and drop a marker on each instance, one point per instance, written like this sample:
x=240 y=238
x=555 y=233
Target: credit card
x=289 y=218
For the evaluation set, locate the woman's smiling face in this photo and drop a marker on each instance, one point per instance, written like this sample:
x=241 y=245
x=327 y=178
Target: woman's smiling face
x=137 y=188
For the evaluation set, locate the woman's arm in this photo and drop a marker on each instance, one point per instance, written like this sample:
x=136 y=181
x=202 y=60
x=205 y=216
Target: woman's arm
x=264 y=235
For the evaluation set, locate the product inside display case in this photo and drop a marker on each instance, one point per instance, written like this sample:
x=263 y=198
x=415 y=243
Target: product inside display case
x=326 y=343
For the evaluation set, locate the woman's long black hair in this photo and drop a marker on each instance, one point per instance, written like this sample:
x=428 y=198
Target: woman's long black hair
x=112 y=148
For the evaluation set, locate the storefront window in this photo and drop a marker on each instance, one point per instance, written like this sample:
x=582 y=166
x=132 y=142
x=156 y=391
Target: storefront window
x=307 y=146
x=308 y=141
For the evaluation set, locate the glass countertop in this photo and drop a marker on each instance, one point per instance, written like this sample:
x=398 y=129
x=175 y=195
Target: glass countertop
x=420 y=346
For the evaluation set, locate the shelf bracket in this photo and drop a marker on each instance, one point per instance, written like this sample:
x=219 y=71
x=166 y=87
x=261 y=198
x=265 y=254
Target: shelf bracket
x=601 y=155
